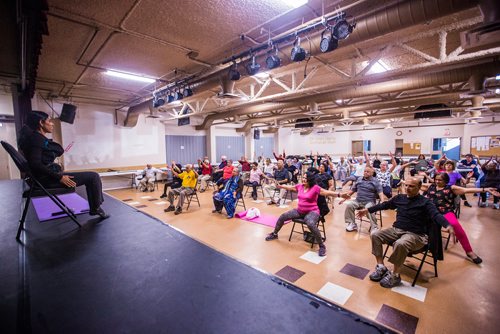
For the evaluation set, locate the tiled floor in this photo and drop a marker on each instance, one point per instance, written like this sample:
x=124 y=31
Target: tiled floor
x=465 y=298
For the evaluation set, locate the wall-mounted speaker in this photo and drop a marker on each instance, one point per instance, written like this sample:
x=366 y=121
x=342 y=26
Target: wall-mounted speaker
x=256 y=134
x=68 y=113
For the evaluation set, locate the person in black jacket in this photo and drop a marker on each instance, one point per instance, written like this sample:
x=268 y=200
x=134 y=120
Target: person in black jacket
x=415 y=218
x=40 y=152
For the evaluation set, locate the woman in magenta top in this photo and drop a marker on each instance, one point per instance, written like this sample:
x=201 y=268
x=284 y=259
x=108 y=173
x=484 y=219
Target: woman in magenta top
x=307 y=208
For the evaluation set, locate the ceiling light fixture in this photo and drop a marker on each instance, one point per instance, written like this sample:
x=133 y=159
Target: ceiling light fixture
x=342 y=29
x=273 y=61
x=252 y=67
x=295 y=3
x=329 y=42
x=297 y=54
x=129 y=76
x=234 y=74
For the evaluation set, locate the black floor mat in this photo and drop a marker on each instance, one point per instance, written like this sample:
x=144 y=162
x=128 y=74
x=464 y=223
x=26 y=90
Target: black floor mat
x=131 y=273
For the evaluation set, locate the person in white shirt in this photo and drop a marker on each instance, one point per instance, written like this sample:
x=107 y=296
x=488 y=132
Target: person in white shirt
x=148 y=178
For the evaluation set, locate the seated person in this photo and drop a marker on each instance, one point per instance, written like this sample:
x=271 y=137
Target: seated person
x=189 y=178
x=325 y=181
x=228 y=194
x=342 y=168
x=148 y=178
x=40 y=152
x=292 y=169
x=218 y=172
x=383 y=174
x=280 y=177
x=244 y=167
x=255 y=176
x=357 y=171
x=491 y=179
x=410 y=232
x=368 y=189
x=307 y=208
x=456 y=177
x=171 y=180
x=444 y=197
x=269 y=168
x=227 y=172
x=206 y=174
x=470 y=162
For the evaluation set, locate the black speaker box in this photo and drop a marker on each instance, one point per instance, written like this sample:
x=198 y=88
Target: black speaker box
x=183 y=121
x=256 y=134
x=68 y=113
x=303 y=123
x=444 y=112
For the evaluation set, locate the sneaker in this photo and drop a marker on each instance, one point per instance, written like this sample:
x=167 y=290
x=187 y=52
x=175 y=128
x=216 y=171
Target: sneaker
x=271 y=202
x=351 y=227
x=390 y=280
x=163 y=196
x=467 y=204
x=178 y=211
x=99 y=212
x=271 y=236
x=483 y=204
x=322 y=250
x=496 y=206
x=379 y=273
x=229 y=217
x=202 y=190
x=374 y=228
x=254 y=197
x=170 y=208
x=216 y=211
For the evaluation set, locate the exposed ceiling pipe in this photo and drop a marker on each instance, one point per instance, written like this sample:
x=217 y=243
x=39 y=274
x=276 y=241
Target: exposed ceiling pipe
x=392 y=18
x=405 y=102
x=409 y=83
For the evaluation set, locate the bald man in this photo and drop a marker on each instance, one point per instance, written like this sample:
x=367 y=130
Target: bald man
x=414 y=218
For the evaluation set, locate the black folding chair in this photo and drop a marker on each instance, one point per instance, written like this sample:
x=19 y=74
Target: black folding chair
x=320 y=224
x=421 y=255
x=241 y=201
x=36 y=189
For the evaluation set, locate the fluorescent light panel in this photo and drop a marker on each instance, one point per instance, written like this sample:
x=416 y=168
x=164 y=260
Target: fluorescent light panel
x=295 y=3
x=129 y=76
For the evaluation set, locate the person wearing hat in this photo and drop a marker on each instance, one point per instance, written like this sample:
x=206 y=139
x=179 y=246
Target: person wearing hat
x=40 y=152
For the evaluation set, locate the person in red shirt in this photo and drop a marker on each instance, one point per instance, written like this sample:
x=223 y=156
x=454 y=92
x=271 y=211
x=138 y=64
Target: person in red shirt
x=206 y=174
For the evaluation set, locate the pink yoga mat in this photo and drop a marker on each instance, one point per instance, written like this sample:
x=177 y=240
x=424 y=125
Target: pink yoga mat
x=263 y=219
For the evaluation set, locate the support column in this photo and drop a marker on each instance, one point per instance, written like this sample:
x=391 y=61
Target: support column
x=21 y=103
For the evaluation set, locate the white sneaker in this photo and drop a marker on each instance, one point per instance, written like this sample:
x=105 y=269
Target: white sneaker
x=351 y=227
x=483 y=204
x=496 y=206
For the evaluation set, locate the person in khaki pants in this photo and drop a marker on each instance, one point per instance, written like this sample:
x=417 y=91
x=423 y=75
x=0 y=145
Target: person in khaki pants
x=410 y=232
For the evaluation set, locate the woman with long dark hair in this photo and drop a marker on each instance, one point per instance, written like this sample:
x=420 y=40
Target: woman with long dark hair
x=41 y=152
x=443 y=195
x=307 y=208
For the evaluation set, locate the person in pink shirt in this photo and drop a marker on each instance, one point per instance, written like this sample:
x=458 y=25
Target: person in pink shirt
x=307 y=208
x=254 y=180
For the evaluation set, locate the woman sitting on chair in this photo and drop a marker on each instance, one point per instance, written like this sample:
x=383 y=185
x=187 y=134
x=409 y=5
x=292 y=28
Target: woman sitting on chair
x=307 y=208
x=443 y=196
x=228 y=194
x=40 y=152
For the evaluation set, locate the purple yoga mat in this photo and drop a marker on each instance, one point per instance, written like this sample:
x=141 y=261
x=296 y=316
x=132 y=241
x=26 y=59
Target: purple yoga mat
x=45 y=208
x=263 y=219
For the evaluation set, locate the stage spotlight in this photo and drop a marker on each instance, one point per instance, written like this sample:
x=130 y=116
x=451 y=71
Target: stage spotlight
x=178 y=96
x=187 y=92
x=158 y=101
x=234 y=74
x=328 y=42
x=170 y=98
x=273 y=61
x=252 y=67
x=342 y=29
x=298 y=53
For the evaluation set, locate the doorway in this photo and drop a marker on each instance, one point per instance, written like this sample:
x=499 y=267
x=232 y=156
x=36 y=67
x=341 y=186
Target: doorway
x=358 y=147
